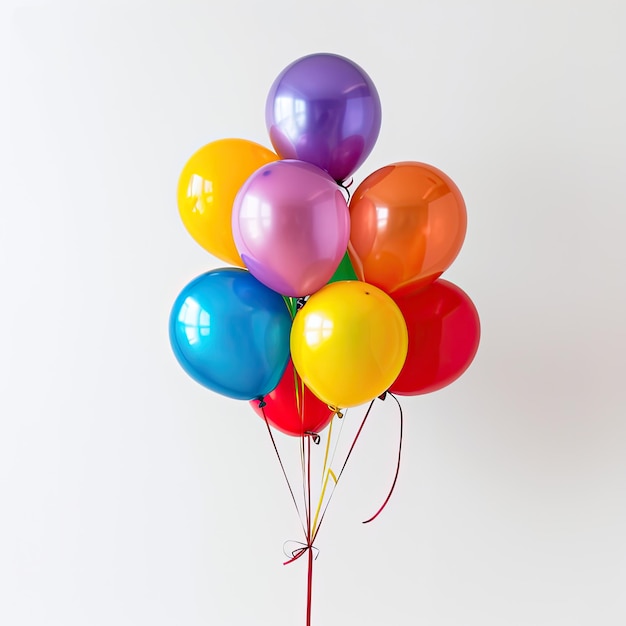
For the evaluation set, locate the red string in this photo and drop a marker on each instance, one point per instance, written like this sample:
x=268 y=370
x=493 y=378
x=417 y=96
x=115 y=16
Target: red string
x=309 y=532
x=298 y=552
x=308 y=546
x=369 y=408
x=395 y=478
x=309 y=583
x=309 y=587
x=282 y=467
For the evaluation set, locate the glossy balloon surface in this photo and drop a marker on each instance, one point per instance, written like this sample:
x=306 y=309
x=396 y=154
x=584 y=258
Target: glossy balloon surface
x=444 y=333
x=292 y=408
x=408 y=223
x=291 y=226
x=230 y=333
x=324 y=109
x=207 y=187
x=348 y=343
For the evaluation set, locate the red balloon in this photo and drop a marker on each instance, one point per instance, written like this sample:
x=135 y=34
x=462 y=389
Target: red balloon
x=293 y=408
x=444 y=332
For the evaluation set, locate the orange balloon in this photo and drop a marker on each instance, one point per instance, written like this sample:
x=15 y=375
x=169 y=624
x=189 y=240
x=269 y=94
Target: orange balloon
x=408 y=223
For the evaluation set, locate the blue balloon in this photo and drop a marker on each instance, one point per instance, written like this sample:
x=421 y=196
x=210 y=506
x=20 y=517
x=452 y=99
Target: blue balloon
x=230 y=333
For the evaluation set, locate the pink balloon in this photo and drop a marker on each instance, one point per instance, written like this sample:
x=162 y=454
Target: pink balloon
x=291 y=226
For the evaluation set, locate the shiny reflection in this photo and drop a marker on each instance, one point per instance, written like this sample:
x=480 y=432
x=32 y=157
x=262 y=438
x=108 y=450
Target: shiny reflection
x=382 y=216
x=444 y=334
x=291 y=226
x=195 y=320
x=317 y=329
x=348 y=343
x=290 y=114
x=407 y=225
x=200 y=190
x=230 y=333
x=324 y=109
x=207 y=188
x=255 y=218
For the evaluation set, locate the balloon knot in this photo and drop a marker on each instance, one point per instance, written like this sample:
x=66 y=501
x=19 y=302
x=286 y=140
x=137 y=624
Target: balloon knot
x=300 y=302
x=383 y=395
x=314 y=436
x=346 y=187
x=296 y=553
x=336 y=411
x=262 y=403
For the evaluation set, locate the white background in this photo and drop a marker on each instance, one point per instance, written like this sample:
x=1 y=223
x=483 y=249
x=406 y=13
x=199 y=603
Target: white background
x=130 y=495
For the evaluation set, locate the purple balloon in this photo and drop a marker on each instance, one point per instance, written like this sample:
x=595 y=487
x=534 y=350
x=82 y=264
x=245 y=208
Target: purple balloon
x=324 y=109
x=291 y=226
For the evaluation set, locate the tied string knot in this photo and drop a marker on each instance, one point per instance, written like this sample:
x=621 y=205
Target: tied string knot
x=336 y=411
x=298 y=551
x=346 y=187
x=314 y=436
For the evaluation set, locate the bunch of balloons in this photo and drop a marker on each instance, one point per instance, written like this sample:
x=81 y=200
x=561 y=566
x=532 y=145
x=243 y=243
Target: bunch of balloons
x=377 y=316
x=328 y=301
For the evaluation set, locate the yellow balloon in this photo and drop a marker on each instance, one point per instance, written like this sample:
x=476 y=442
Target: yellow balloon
x=207 y=188
x=348 y=343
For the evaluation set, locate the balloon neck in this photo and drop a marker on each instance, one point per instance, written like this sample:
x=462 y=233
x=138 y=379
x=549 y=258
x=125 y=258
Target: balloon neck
x=336 y=411
x=346 y=187
x=314 y=436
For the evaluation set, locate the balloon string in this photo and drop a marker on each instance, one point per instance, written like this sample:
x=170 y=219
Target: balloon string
x=309 y=586
x=330 y=433
x=292 y=305
x=294 y=555
x=308 y=488
x=296 y=387
x=309 y=539
x=345 y=187
x=282 y=466
x=329 y=474
x=395 y=478
x=304 y=497
x=343 y=467
x=308 y=546
x=325 y=473
x=336 y=445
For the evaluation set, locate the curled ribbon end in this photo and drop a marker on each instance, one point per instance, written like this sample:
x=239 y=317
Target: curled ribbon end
x=395 y=478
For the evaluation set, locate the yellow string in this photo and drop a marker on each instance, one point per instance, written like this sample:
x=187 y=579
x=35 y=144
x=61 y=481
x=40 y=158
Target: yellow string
x=330 y=474
x=325 y=472
x=296 y=380
x=330 y=433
